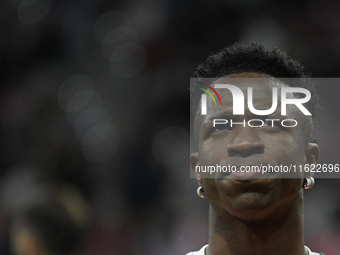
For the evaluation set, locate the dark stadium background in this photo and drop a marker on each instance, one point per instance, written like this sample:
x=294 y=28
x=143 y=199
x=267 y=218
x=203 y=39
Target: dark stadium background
x=95 y=94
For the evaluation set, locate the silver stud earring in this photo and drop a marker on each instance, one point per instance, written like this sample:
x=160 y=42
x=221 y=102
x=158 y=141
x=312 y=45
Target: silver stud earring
x=308 y=183
x=200 y=192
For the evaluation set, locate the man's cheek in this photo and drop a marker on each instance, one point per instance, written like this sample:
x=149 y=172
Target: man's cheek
x=212 y=155
x=213 y=146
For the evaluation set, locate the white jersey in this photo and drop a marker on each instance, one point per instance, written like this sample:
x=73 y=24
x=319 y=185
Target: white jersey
x=202 y=251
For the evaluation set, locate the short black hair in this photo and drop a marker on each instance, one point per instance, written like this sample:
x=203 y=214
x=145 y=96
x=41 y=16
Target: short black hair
x=255 y=57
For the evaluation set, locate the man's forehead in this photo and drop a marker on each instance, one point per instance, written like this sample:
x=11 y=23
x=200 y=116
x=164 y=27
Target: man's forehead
x=261 y=88
x=258 y=85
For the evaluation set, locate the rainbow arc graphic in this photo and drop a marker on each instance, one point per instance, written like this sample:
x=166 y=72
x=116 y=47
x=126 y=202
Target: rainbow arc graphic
x=209 y=93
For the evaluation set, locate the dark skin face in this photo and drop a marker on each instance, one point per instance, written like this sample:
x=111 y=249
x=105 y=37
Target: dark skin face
x=247 y=197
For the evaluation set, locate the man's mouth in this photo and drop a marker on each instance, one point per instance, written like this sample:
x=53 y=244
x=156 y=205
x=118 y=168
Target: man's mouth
x=245 y=173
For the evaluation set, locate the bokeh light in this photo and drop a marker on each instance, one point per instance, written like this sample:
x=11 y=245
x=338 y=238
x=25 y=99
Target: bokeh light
x=100 y=143
x=109 y=21
x=72 y=86
x=128 y=60
x=88 y=118
x=91 y=122
x=115 y=38
x=33 y=11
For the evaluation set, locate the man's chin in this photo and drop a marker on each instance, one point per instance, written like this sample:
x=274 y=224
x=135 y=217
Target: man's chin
x=251 y=206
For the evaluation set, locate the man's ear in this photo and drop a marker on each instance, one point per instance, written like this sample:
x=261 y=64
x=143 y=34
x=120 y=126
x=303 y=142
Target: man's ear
x=312 y=154
x=193 y=164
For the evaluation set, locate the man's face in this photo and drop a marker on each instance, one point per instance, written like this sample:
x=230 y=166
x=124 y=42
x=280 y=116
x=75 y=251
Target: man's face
x=246 y=195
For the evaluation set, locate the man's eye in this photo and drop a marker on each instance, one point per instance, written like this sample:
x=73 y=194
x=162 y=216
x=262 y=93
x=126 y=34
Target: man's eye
x=268 y=123
x=272 y=123
x=221 y=127
x=265 y=123
x=259 y=123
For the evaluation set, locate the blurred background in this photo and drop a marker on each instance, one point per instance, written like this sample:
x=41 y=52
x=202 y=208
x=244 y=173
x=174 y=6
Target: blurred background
x=94 y=116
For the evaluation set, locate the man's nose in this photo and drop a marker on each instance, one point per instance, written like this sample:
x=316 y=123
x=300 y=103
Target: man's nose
x=246 y=142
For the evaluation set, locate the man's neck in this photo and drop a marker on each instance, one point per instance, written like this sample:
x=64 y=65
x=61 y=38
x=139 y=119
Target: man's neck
x=274 y=235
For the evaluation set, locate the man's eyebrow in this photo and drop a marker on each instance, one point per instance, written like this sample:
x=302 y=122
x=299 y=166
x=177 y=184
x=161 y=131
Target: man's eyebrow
x=226 y=113
x=276 y=113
